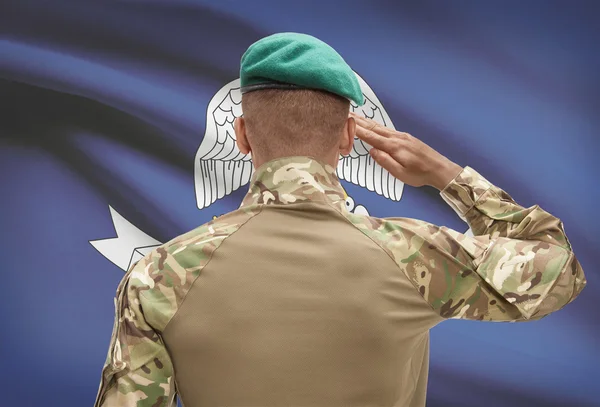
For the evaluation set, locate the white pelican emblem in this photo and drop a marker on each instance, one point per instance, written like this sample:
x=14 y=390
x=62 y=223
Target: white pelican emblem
x=220 y=168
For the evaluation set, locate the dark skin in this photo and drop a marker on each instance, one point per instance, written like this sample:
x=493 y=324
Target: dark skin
x=332 y=157
x=404 y=156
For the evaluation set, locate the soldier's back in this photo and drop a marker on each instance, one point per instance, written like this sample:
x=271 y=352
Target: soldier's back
x=298 y=306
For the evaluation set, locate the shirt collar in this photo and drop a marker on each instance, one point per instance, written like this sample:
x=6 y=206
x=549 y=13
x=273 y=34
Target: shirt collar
x=286 y=180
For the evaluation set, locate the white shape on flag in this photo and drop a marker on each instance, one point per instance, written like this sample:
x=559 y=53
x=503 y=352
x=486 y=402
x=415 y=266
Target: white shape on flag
x=130 y=245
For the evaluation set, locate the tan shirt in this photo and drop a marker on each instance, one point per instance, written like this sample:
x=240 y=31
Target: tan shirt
x=291 y=300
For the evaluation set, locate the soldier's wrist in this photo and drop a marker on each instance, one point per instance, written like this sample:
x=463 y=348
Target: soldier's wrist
x=445 y=174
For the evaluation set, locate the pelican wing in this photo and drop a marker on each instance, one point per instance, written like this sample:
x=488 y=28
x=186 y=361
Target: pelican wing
x=220 y=167
x=358 y=167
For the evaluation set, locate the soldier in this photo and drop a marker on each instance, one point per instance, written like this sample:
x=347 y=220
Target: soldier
x=291 y=300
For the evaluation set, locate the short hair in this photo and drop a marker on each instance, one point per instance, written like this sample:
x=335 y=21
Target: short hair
x=286 y=122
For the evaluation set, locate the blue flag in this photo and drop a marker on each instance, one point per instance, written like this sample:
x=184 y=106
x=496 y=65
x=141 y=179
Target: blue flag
x=116 y=136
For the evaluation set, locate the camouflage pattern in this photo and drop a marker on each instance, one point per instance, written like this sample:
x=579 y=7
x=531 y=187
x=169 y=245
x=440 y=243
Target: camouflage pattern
x=529 y=259
x=138 y=370
x=295 y=179
x=518 y=266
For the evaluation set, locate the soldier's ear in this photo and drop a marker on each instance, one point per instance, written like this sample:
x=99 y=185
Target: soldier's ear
x=241 y=139
x=347 y=140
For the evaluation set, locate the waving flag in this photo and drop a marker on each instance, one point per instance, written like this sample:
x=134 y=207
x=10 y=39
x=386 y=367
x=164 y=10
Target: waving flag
x=116 y=135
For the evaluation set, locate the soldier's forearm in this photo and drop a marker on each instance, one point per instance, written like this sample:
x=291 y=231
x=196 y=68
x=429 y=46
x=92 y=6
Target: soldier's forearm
x=491 y=211
x=448 y=171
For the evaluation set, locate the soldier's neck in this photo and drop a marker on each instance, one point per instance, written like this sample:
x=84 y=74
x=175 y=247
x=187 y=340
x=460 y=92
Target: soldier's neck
x=331 y=158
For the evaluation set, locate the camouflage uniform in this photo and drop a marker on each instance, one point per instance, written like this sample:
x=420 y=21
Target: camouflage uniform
x=309 y=304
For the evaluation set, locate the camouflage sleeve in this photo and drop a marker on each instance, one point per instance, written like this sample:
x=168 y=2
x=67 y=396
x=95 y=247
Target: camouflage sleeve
x=518 y=266
x=138 y=370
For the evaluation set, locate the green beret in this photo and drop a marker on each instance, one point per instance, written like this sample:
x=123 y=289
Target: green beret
x=297 y=61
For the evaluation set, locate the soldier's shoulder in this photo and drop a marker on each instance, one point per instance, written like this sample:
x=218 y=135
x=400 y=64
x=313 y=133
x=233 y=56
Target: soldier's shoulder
x=165 y=275
x=399 y=237
x=190 y=251
x=219 y=227
x=388 y=229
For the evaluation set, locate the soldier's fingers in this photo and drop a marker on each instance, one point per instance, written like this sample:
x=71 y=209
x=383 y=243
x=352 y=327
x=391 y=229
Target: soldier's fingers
x=368 y=124
x=372 y=125
x=376 y=140
x=388 y=162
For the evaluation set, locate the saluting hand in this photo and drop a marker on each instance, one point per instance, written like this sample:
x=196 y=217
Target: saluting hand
x=405 y=157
